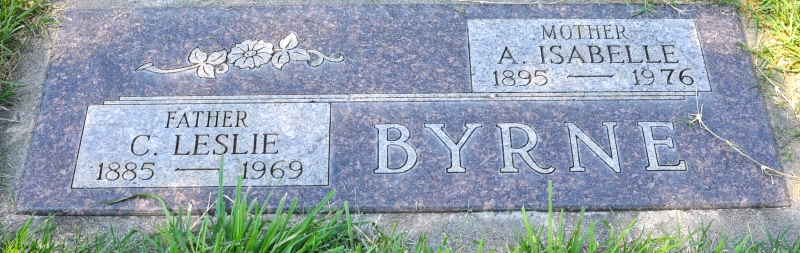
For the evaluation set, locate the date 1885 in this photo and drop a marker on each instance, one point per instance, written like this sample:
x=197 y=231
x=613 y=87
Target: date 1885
x=114 y=171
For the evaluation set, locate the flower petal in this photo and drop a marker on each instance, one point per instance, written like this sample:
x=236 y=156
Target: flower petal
x=236 y=50
x=235 y=54
x=265 y=56
x=268 y=49
x=261 y=44
x=259 y=60
x=247 y=45
x=197 y=56
x=240 y=62
x=249 y=63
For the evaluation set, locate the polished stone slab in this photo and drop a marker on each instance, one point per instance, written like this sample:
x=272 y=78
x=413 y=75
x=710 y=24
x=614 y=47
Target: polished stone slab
x=391 y=107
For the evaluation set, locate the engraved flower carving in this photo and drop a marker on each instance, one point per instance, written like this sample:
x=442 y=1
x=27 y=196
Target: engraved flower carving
x=250 y=54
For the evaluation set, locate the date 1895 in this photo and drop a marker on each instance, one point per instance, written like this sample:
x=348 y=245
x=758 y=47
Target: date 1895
x=520 y=78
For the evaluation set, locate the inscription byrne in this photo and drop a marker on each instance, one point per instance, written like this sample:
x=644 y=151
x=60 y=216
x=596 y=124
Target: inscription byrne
x=650 y=143
x=175 y=145
x=586 y=56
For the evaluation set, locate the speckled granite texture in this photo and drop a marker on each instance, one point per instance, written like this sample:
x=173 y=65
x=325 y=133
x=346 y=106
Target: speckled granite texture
x=400 y=50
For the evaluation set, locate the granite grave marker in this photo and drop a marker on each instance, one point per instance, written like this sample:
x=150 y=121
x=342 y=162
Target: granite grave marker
x=400 y=108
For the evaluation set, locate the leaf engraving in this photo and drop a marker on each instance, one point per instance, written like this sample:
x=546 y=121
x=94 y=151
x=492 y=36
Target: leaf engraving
x=289 y=42
x=217 y=57
x=299 y=55
x=317 y=58
x=279 y=60
x=206 y=71
x=197 y=56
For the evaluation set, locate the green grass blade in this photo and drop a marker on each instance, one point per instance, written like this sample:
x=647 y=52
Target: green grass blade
x=550 y=216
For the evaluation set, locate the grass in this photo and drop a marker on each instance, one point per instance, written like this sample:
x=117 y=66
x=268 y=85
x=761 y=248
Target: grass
x=777 y=47
x=20 y=20
x=238 y=225
x=777 y=50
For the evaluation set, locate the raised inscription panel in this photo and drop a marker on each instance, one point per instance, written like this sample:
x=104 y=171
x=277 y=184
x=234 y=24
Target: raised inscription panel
x=180 y=145
x=611 y=56
x=401 y=109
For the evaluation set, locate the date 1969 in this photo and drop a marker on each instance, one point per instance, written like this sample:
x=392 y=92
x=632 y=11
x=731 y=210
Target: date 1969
x=258 y=169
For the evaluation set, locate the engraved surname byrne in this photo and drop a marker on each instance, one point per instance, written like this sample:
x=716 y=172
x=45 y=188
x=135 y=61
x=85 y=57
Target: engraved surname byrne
x=650 y=143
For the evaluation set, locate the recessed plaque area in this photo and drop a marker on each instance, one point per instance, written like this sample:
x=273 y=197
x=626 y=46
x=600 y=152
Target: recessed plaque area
x=401 y=108
x=585 y=56
x=181 y=145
